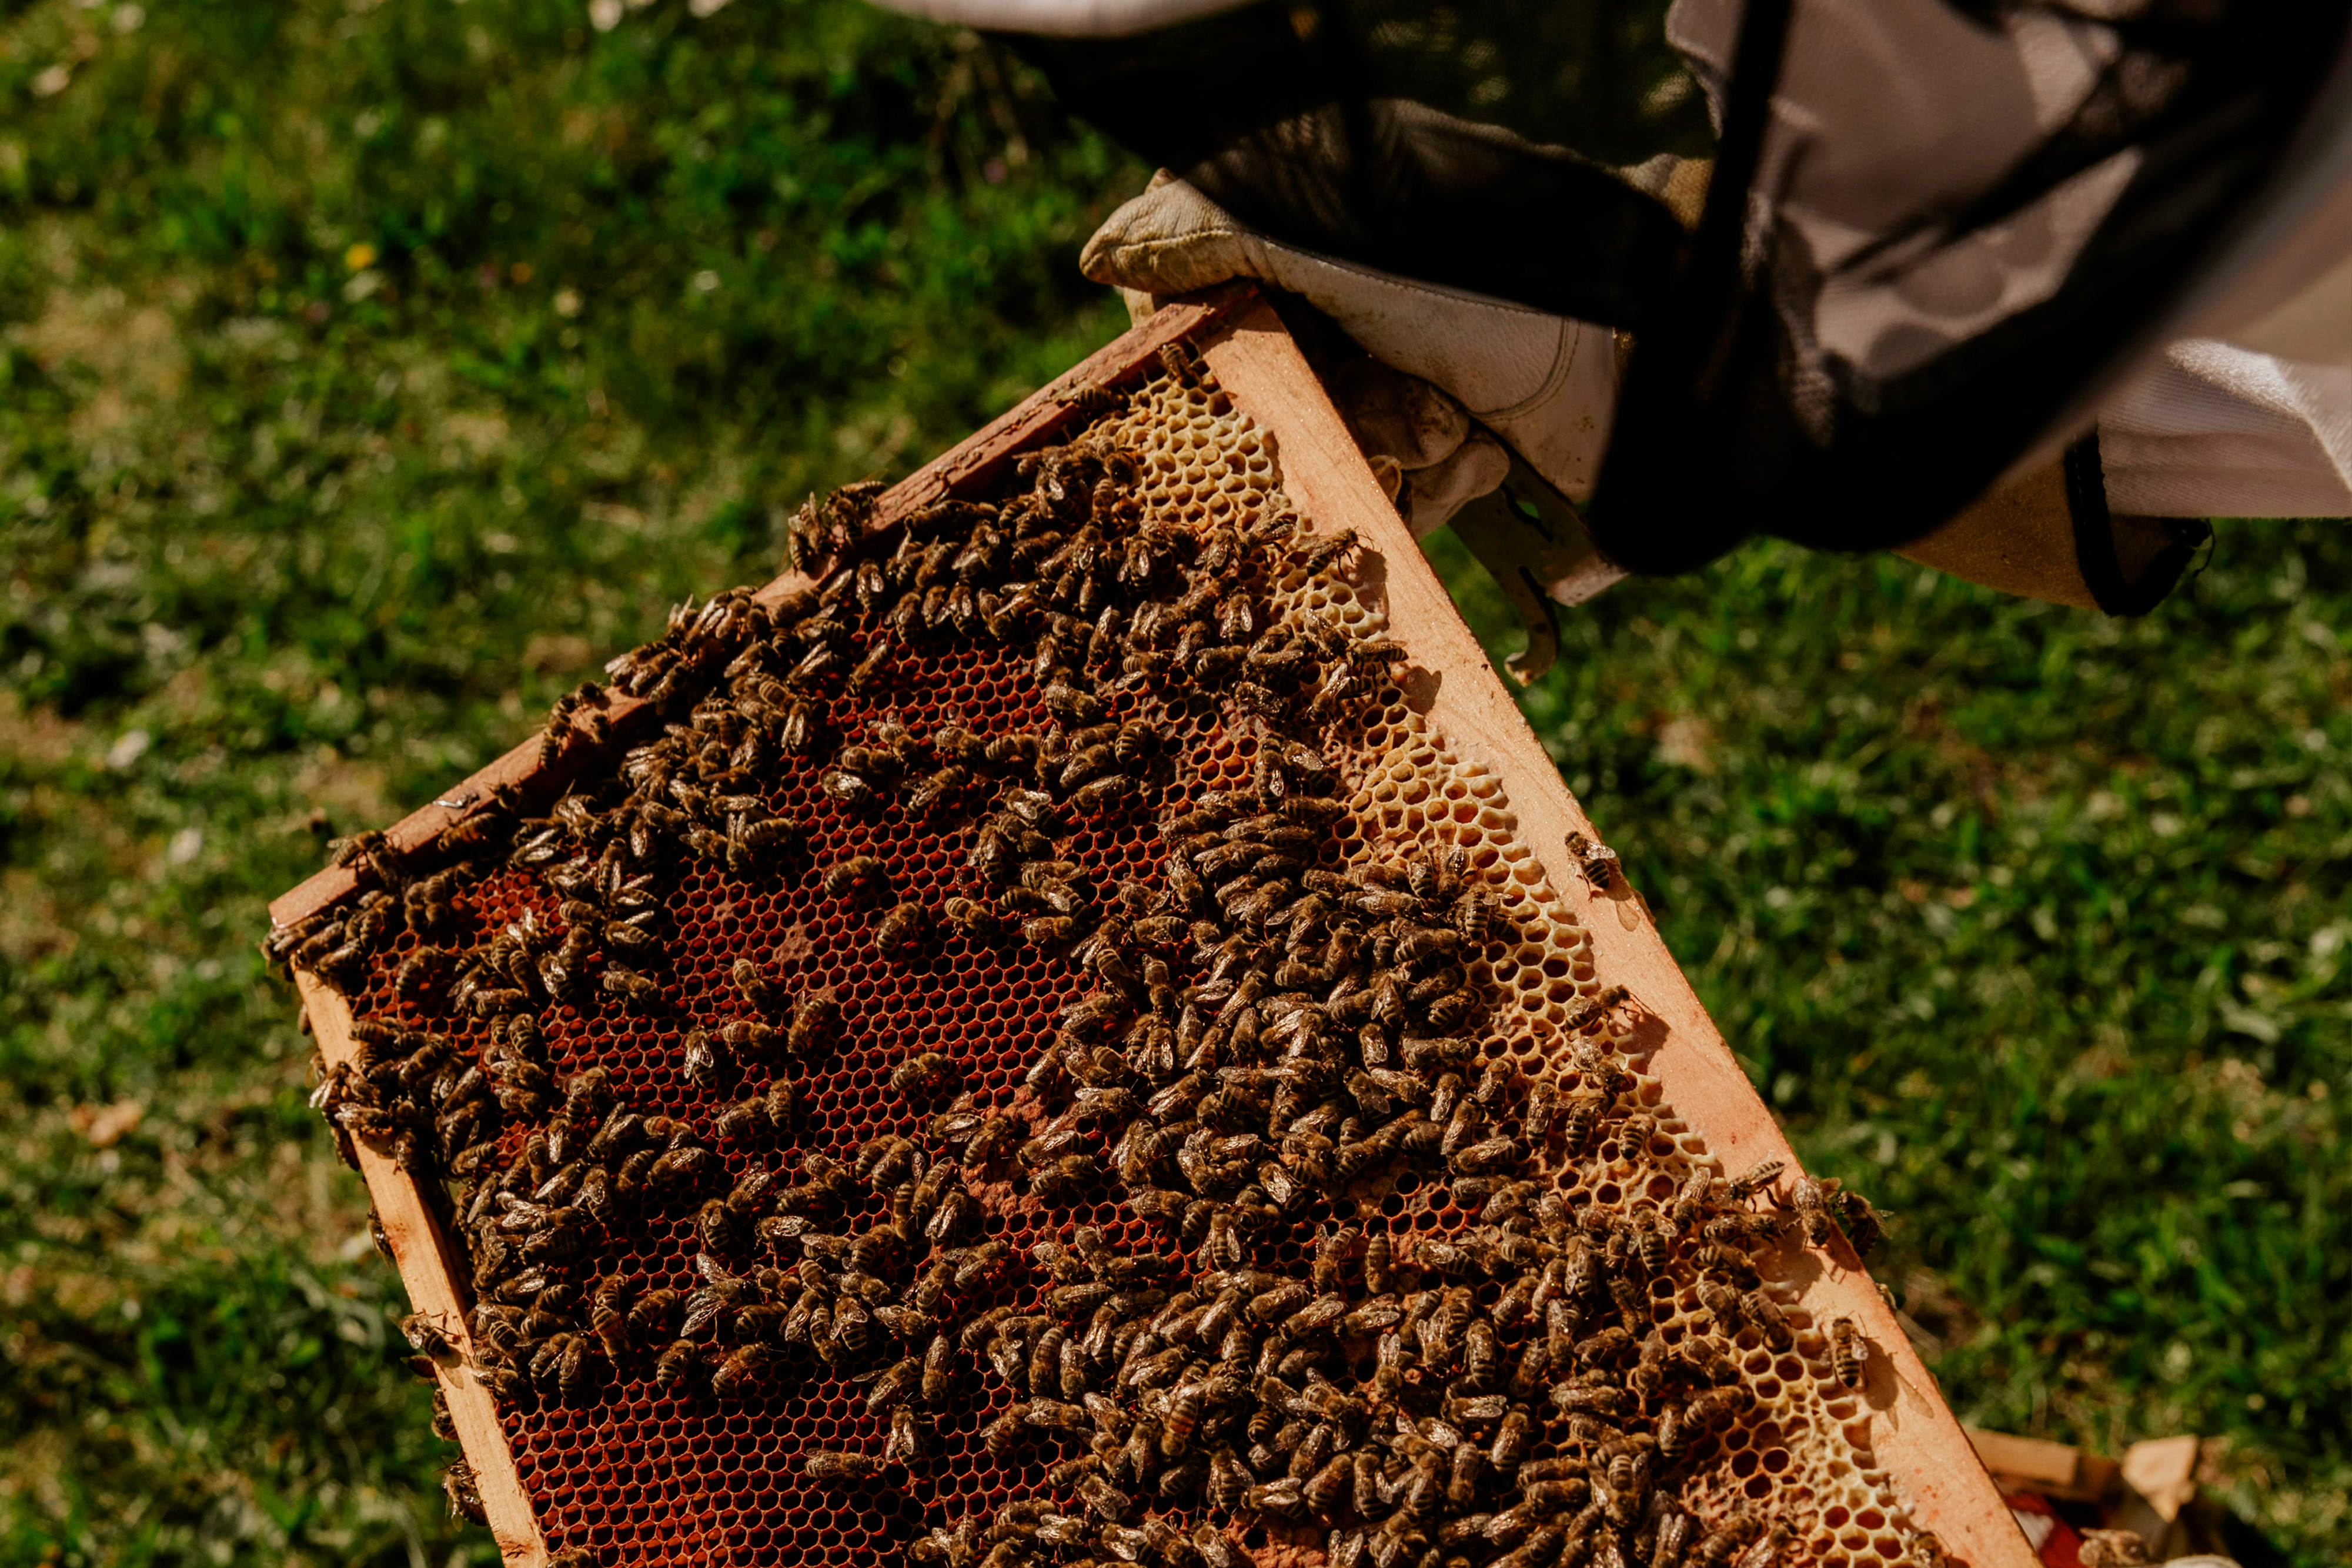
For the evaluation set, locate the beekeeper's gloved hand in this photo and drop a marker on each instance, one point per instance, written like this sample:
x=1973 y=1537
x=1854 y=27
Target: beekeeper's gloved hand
x=1446 y=363
x=1544 y=384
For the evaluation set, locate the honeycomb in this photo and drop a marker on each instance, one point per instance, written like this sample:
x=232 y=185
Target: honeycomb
x=1046 y=946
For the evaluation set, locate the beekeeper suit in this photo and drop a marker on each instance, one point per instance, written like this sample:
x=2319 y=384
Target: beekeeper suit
x=2024 y=290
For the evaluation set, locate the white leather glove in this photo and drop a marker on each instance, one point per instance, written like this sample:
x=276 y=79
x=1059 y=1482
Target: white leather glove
x=1546 y=384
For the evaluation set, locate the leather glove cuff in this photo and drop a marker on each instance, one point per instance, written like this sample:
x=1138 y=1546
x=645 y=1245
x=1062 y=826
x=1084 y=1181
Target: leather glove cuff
x=2050 y=536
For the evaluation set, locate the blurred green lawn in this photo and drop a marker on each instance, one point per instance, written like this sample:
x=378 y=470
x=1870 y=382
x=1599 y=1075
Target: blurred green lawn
x=368 y=372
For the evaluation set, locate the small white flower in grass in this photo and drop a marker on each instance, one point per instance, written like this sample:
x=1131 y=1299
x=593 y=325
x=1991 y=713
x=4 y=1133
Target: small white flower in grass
x=706 y=281
x=603 y=15
x=51 y=82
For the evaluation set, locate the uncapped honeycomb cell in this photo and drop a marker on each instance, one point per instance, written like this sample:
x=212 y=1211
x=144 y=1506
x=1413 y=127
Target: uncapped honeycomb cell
x=663 y=932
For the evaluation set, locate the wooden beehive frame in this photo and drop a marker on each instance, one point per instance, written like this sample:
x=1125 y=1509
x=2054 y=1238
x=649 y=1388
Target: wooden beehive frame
x=1451 y=682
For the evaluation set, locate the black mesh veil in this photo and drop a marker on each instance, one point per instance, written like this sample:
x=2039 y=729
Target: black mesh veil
x=1787 y=377
x=1463 y=145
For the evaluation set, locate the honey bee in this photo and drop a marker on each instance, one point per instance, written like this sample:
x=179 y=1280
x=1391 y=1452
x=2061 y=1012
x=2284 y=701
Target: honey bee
x=719 y=1227
x=1045 y=1359
x=901 y=929
x=1510 y=1443
x=1812 y=1211
x=1596 y=860
x=1181 y=1420
x=779 y=1232
x=1331 y=1251
x=1649 y=1242
x=751 y=842
x=1592 y=1008
x=905 y=1442
x=1854 y=1214
x=1074 y=707
x=630 y=935
x=1322 y=1491
x=803 y=727
x=1106 y=1501
x=1318 y=551
x=1759 y=1311
x=1721 y=1545
x=577 y=1368
x=1480 y=1353
x=1744 y=1229
x=974 y=919
x=626 y=985
x=1050 y=931
x=756 y=987
x=419 y=972
x=1477 y=916
x=1378 y=1251
x=814 y=1017
x=995 y=1137
x=896 y=1384
x=771 y=1112
x=1101 y=795
x=464 y=1494
x=1090 y=762
x=1715 y=1258
x=927 y=1073
x=871 y=671
x=748 y=1037
x=680 y=1166
x=1468 y=1468
x=999 y=1435
x=1488 y=1154
x=833 y=1467
x=1848 y=1352
x=853 y=1327
x=858 y=874
x=956 y=1125
x=1065 y=1177
x=1541 y=1113
x=1691 y=1201
x=1599 y=1067
x=702 y=1066
x=886 y=1161
x=425 y=1337
x=848 y=789
x=1139 y=743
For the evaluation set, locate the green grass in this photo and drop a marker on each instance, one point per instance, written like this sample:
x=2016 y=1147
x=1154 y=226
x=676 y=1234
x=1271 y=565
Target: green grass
x=368 y=372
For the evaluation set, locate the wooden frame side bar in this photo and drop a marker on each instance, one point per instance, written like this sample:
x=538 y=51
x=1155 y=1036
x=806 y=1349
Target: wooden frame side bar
x=422 y=1256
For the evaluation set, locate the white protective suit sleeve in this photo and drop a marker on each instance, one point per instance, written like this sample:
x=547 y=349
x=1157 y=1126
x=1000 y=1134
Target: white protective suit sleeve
x=2213 y=430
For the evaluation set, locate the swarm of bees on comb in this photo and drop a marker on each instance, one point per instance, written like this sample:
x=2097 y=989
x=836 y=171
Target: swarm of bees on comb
x=992 y=1039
